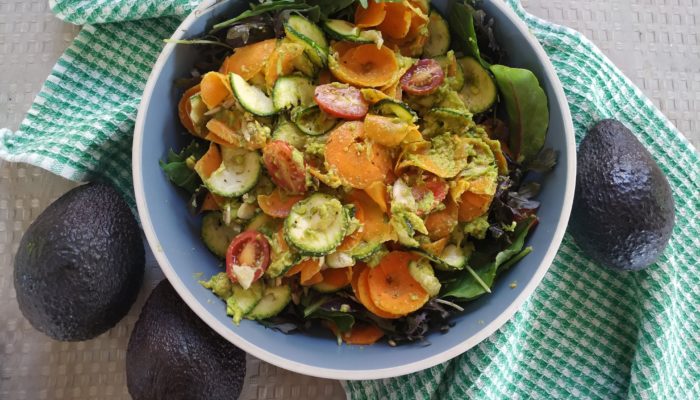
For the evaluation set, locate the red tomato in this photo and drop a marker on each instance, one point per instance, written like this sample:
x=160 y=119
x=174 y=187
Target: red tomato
x=250 y=249
x=433 y=184
x=341 y=101
x=423 y=78
x=286 y=171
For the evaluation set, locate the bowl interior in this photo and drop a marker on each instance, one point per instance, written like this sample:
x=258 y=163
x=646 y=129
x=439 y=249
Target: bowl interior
x=174 y=234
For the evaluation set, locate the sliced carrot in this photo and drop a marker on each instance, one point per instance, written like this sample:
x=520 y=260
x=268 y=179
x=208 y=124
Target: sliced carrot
x=501 y=161
x=373 y=96
x=391 y=286
x=422 y=5
x=215 y=89
x=419 y=21
x=184 y=107
x=386 y=131
x=209 y=203
x=364 y=65
x=435 y=248
x=278 y=204
x=347 y=151
x=365 y=297
x=441 y=223
x=210 y=162
x=356 y=272
x=354 y=238
x=375 y=226
x=334 y=279
x=280 y=240
x=397 y=21
x=414 y=41
x=281 y=62
x=378 y=193
x=362 y=334
x=308 y=268
x=473 y=205
x=313 y=280
x=247 y=61
x=216 y=139
x=371 y=16
x=225 y=134
x=309 y=263
x=394 y=91
x=414 y=136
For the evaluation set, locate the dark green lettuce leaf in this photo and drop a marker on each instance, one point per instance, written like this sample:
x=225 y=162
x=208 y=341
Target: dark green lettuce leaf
x=466 y=287
x=179 y=170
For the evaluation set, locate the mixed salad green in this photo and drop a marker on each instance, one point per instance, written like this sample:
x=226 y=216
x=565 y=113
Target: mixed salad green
x=360 y=164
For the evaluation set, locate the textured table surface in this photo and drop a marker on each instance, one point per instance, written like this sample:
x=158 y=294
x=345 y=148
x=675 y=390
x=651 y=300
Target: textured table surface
x=655 y=42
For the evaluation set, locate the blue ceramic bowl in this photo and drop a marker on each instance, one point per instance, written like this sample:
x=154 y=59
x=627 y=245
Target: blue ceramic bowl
x=173 y=233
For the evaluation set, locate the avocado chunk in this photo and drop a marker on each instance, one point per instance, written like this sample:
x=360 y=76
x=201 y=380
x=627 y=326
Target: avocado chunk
x=173 y=355
x=80 y=265
x=623 y=211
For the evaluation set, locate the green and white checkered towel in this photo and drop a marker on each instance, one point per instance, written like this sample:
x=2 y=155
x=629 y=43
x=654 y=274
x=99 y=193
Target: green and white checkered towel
x=586 y=332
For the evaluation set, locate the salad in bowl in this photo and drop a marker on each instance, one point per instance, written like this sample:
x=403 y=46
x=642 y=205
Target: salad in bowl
x=361 y=166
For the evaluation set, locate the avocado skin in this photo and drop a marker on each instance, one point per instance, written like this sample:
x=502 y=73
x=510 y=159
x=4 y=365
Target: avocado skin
x=623 y=211
x=80 y=265
x=174 y=355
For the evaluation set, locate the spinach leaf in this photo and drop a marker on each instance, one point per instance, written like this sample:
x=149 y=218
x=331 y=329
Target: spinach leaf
x=176 y=167
x=526 y=105
x=521 y=231
x=343 y=320
x=461 y=21
x=467 y=287
x=543 y=162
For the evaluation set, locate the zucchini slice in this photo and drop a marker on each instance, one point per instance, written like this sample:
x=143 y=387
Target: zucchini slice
x=452 y=258
x=291 y=91
x=288 y=132
x=251 y=98
x=308 y=34
x=238 y=173
x=304 y=65
x=439 y=36
x=365 y=250
x=197 y=112
x=243 y=301
x=274 y=300
x=395 y=108
x=316 y=225
x=424 y=274
x=312 y=121
x=479 y=92
x=341 y=30
x=216 y=235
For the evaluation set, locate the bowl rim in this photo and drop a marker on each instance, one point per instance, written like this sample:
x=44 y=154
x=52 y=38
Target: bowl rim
x=339 y=373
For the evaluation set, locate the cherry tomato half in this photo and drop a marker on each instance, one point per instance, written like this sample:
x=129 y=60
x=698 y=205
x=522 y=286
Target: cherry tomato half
x=286 y=171
x=433 y=184
x=341 y=101
x=249 y=249
x=423 y=78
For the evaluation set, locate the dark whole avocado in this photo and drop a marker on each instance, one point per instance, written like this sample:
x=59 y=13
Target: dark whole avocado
x=174 y=355
x=623 y=211
x=80 y=265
